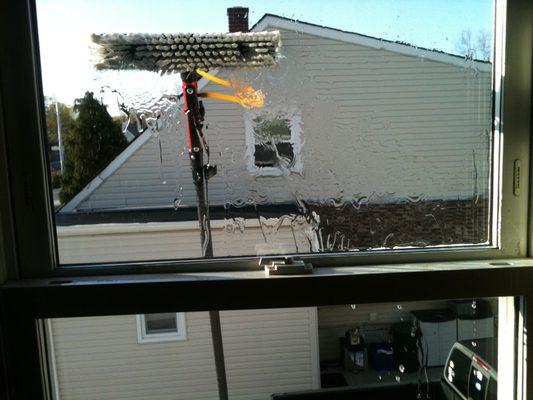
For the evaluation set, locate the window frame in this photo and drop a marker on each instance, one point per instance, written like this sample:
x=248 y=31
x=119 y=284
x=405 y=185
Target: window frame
x=28 y=248
x=34 y=234
x=26 y=303
x=294 y=115
x=143 y=336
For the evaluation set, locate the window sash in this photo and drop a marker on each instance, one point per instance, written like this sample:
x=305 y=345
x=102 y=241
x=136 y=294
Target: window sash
x=34 y=232
x=23 y=302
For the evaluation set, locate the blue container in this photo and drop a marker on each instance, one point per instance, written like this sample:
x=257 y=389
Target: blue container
x=381 y=356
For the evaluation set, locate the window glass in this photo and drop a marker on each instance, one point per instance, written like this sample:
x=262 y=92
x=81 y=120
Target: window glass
x=161 y=327
x=366 y=126
x=408 y=350
x=160 y=323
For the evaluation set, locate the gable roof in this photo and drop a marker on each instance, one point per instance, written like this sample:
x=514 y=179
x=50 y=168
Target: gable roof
x=276 y=21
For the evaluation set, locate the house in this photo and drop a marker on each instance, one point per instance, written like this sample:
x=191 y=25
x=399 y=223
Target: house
x=344 y=155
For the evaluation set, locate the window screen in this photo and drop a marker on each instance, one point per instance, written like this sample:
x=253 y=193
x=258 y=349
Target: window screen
x=369 y=126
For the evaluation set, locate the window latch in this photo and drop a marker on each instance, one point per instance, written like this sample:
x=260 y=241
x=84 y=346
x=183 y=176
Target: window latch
x=285 y=266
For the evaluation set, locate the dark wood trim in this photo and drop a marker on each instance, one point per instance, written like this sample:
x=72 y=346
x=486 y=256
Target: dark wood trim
x=25 y=301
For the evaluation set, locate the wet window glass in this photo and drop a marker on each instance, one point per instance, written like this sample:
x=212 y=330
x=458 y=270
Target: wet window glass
x=182 y=130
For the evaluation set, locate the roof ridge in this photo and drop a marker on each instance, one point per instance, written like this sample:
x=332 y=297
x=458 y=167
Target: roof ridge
x=362 y=35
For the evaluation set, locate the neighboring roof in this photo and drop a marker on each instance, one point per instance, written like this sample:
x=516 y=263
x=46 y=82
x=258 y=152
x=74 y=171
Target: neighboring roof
x=114 y=165
x=106 y=172
x=142 y=215
x=276 y=21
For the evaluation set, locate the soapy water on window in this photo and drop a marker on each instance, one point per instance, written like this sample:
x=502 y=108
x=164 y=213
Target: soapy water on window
x=393 y=151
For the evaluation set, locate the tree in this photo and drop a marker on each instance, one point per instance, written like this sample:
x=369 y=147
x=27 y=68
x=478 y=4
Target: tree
x=479 y=47
x=95 y=140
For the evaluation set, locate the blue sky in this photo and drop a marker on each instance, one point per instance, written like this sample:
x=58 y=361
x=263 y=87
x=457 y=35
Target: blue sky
x=65 y=26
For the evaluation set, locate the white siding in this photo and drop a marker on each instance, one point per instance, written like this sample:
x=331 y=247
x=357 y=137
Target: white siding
x=266 y=351
x=375 y=123
x=171 y=240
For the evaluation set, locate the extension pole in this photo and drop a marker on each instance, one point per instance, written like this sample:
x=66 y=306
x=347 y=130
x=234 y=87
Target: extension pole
x=194 y=114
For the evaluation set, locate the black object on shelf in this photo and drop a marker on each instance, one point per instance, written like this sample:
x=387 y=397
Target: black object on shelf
x=405 y=346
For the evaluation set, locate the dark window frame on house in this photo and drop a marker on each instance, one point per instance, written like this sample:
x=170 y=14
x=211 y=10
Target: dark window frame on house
x=29 y=247
x=255 y=145
x=176 y=332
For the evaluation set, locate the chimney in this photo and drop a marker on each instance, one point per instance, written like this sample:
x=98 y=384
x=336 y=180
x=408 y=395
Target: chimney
x=238 y=19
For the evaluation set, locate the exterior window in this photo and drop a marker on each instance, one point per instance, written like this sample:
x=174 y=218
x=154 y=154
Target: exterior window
x=161 y=327
x=274 y=142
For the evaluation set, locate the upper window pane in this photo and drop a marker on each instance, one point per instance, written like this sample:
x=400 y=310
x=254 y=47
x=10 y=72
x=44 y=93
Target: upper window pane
x=352 y=126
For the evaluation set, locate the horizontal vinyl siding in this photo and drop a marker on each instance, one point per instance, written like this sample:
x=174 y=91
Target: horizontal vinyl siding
x=266 y=351
x=171 y=240
x=375 y=123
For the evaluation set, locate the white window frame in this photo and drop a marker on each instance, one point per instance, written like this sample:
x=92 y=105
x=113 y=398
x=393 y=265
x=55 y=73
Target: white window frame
x=295 y=116
x=145 y=337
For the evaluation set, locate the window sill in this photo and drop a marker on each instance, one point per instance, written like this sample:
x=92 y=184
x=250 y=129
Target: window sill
x=134 y=294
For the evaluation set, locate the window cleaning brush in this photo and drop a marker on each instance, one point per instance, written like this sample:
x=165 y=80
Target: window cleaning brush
x=189 y=54
x=186 y=52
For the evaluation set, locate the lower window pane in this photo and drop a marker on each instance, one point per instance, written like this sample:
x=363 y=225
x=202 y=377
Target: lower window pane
x=444 y=349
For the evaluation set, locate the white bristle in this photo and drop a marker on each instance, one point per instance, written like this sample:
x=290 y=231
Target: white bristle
x=184 y=52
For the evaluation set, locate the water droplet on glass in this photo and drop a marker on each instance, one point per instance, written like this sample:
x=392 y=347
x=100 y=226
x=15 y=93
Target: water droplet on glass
x=474 y=344
x=399 y=306
x=354 y=306
x=401 y=368
x=474 y=305
x=398 y=379
x=379 y=377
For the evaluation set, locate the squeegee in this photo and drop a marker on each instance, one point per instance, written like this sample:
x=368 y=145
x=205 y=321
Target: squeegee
x=191 y=55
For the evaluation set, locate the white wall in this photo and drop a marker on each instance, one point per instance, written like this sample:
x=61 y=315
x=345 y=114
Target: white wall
x=375 y=123
x=172 y=240
x=266 y=351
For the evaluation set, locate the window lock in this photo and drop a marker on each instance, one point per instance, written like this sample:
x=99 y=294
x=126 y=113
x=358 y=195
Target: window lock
x=285 y=266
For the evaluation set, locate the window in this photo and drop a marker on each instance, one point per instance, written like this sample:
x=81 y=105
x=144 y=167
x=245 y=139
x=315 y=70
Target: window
x=273 y=142
x=492 y=167
x=343 y=142
x=161 y=327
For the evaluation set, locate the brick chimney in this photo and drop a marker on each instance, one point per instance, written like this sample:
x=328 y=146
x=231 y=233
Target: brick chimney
x=238 y=19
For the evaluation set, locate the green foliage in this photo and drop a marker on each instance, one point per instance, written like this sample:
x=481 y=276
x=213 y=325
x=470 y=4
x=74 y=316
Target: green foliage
x=96 y=139
x=65 y=118
x=56 y=180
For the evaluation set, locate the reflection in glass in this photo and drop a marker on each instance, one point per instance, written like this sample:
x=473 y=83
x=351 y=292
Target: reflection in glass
x=421 y=350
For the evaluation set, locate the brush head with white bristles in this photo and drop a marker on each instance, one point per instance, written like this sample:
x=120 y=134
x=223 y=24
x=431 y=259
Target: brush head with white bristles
x=186 y=52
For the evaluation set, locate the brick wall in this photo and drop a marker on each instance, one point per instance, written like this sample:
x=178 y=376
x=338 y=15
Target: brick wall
x=420 y=223
x=238 y=19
